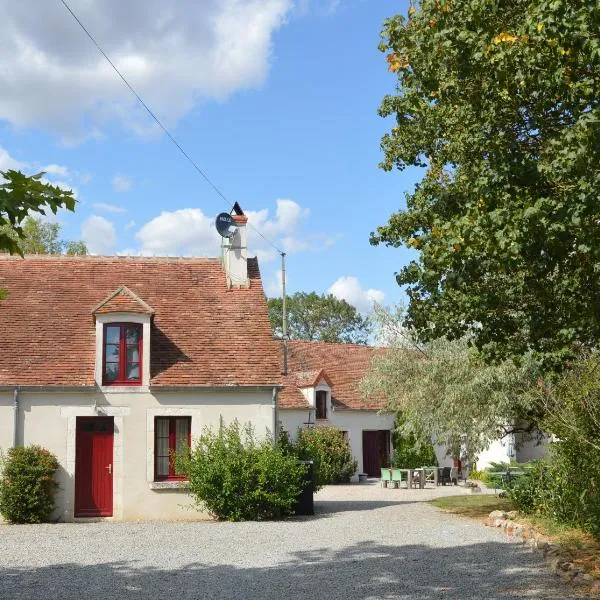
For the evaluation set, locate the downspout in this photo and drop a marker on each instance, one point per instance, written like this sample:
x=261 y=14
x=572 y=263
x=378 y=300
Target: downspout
x=15 y=417
x=275 y=416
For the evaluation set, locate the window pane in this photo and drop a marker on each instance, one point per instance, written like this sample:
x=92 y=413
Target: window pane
x=111 y=371
x=113 y=333
x=112 y=353
x=133 y=371
x=162 y=466
x=181 y=434
x=133 y=335
x=133 y=354
x=162 y=429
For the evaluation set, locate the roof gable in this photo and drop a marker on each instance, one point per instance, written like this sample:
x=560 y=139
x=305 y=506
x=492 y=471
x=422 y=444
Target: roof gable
x=123 y=300
x=311 y=378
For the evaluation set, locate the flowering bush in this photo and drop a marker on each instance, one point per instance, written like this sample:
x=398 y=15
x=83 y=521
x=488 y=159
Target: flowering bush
x=27 y=485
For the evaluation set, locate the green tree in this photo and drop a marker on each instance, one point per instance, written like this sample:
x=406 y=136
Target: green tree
x=499 y=102
x=44 y=238
x=446 y=394
x=21 y=195
x=319 y=317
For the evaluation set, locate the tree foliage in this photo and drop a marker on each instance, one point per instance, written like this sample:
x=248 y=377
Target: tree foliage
x=44 y=238
x=447 y=395
x=319 y=317
x=21 y=195
x=499 y=102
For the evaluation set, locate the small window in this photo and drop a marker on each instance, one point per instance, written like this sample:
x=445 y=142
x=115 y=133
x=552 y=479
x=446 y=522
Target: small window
x=321 y=405
x=122 y=354
x=171 y=436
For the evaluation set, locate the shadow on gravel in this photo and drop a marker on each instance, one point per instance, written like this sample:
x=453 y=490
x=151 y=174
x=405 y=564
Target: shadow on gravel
x=324 y=508
x=370 y=571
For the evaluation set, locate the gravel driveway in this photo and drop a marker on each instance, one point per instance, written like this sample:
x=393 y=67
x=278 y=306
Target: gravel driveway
x=365 y=543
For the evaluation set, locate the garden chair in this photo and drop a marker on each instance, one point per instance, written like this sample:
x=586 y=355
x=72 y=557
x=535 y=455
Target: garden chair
x=416 y=478
x=444 y=476
x=386 y=476
x=396 y=477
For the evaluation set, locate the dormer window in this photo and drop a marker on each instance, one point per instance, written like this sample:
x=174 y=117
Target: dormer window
x=122 y=342
x=321 y=404
x=123 y=349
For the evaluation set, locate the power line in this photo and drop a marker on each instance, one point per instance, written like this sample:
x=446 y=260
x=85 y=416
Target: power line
x=158 y=121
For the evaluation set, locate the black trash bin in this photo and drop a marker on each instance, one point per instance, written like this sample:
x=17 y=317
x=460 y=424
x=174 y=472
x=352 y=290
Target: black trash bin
x=305 y=504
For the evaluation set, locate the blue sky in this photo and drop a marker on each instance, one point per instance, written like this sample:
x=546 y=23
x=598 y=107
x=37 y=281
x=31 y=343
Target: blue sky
x=275 y=100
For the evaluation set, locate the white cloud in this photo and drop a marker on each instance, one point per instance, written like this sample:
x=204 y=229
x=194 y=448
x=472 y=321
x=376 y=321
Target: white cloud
x=174 y=53
x=121 y=183
x=99 y=235
x=109 y=208
x=274 y=287
x=56 y=170
x=349 y=289
x=312 y=243
x=84 y=178
x=130 y=225
x=181 y=232
x=7 y=162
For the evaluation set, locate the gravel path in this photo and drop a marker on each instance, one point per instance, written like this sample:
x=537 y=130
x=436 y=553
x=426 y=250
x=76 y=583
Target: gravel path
x=365 y=543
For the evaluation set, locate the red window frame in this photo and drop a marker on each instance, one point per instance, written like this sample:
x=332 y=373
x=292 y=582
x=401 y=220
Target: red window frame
x=321 y=404
x=122 y=376
x=172 y=476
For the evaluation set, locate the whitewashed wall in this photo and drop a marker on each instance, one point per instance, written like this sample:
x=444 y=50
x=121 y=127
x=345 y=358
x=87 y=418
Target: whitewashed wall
x=49 y=418
x=352 y=421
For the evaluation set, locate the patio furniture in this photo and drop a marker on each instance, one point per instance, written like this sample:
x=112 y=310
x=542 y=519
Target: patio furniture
x=416 y=477
x=386 y=476
x=397 y=477
x=431 y=475
x=444 y=476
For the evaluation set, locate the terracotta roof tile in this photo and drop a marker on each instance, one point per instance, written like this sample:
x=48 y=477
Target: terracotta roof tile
x=345 y=366
x=202 y=332
x=123 y=300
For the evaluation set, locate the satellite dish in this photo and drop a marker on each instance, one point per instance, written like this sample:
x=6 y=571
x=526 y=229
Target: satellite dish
x=225 y=225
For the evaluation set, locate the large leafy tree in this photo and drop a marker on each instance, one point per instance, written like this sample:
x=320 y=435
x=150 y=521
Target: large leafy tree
x=498 y=101
x=445 y=393
x=323 y=317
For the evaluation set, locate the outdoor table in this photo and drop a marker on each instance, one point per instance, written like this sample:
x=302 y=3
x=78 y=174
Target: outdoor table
x=431 y=471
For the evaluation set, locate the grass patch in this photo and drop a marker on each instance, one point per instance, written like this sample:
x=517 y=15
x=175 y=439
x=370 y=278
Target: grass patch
x=474 y=507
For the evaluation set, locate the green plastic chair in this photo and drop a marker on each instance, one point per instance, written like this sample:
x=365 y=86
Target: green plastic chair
x=396 y=477
x=386 y=476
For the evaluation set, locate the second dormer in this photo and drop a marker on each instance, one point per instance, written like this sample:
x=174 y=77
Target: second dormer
x=122 y=342
x=316 y=388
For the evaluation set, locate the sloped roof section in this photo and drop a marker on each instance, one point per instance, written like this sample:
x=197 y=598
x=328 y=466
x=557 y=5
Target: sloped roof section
x=123 y=300
x=202 y=333
x=344 y=364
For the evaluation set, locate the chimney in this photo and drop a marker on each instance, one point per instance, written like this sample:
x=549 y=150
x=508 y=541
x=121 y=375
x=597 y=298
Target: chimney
x=235 y=252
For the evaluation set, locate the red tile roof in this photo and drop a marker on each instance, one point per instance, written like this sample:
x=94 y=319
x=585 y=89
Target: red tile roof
x=123 y=300
x=202 y=332
x=345 y=365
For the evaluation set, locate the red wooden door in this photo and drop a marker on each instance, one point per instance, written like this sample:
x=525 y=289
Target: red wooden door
x=94 y=467
x=376 y=451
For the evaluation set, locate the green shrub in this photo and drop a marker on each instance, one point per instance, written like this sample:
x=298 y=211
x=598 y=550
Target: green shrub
x=237 y=478
x=330 y=451
x=27 y=486
x=566 y=486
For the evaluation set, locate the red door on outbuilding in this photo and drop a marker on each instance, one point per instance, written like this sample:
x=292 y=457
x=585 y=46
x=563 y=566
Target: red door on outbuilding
x=94 y=467
x=376 y=451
